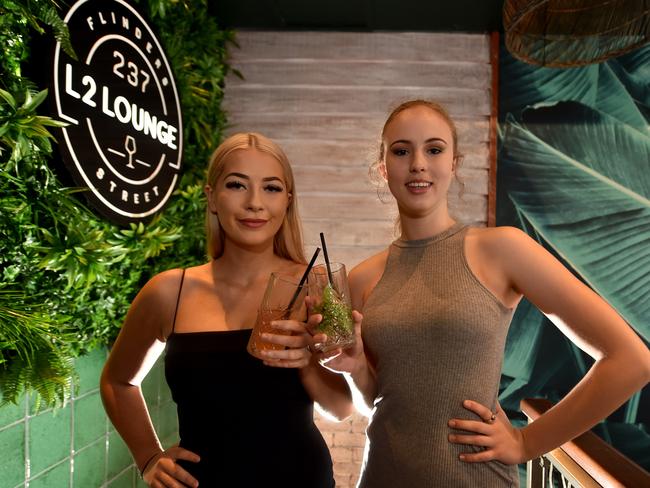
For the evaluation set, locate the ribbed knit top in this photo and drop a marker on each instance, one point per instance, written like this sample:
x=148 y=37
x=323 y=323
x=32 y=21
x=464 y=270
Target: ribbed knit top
x=437 y=337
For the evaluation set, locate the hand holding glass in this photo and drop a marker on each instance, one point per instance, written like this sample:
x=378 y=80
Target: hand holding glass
x=331 y=294
x=282 y=301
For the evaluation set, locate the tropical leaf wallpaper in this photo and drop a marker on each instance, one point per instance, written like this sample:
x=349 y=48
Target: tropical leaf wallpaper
x=574 y=173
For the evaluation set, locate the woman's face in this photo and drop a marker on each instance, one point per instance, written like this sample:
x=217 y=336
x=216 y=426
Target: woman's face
x=419 y=161
x=250 y=198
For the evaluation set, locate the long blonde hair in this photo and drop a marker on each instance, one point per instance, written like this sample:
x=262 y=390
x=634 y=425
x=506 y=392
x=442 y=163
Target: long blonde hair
x=288 y=241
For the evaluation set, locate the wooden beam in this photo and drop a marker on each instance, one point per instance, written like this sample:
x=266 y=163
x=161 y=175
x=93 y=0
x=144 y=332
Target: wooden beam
x=494 y=121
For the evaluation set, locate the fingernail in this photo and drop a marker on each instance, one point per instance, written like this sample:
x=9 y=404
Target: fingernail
x=450 y=438
x=462 y=457
x=466 y=403
x=452 y=423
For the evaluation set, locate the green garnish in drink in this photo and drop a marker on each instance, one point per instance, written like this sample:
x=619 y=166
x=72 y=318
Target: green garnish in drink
x=337 y=316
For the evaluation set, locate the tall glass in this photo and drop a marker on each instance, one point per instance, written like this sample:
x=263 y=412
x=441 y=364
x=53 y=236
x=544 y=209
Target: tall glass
x=282 y=301
x=332 y=301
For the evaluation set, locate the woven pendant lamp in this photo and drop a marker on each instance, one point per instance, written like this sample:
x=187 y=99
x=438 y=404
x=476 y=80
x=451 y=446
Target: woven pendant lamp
x=564 y=33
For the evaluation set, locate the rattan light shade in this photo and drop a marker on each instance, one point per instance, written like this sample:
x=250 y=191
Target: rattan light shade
x=563 y=33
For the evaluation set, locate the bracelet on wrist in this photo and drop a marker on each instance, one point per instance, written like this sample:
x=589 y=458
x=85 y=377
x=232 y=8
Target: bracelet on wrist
x=146 y=464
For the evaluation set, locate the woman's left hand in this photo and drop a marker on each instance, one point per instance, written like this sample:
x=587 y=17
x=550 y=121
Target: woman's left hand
x=500 y=440
x=297 y=342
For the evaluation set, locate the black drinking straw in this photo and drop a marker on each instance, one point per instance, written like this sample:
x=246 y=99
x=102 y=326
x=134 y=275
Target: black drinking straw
x=327 y=260
x=302 y=281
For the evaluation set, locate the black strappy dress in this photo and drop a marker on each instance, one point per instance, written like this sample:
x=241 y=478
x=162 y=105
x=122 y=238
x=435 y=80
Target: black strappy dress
x=251 y=424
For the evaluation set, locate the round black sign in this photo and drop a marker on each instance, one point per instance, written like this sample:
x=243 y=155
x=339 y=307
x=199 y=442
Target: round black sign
x=124 y=138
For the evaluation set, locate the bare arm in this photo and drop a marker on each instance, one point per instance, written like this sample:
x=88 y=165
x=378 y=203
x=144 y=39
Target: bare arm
x=327 y=389
x=137 y=348
x=622 y=360
x=359 y=373
x=354 y=362
x=344 y=362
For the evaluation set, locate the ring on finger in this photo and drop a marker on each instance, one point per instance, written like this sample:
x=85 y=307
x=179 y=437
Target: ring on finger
x=492 y=418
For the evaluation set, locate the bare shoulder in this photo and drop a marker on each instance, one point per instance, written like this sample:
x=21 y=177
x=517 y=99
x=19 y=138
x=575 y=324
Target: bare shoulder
x=365 y=276
x=155 y=303
x=141 y=339
x=368 y=269
x=498 y=242
x=497 y=236
x=162 y=288
x=527 y=266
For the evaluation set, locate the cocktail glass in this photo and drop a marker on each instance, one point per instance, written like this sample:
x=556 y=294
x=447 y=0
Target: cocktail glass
x=331 y=293
x=282 y=301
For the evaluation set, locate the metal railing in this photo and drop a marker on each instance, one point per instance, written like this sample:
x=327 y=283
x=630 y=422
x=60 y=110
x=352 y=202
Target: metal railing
x=586 y=461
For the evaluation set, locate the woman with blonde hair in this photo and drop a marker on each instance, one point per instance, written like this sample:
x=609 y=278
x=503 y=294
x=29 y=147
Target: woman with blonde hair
x=242 y=422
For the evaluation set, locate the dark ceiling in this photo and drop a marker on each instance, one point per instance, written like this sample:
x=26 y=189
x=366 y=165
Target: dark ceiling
x=360 y=15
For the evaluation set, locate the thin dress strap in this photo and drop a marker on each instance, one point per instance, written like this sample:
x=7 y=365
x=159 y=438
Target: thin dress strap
x=178 y=299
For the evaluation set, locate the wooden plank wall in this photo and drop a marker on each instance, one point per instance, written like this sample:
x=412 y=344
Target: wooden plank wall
x=323 y=96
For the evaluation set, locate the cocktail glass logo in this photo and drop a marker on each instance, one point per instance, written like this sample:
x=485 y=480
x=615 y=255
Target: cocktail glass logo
x=124 y=138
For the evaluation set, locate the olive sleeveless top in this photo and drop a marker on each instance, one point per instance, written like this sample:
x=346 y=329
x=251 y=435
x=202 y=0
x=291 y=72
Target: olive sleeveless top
x=437 y=337
x=251 y=424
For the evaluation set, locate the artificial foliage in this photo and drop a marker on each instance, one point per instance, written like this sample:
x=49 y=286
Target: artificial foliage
x=67 y=276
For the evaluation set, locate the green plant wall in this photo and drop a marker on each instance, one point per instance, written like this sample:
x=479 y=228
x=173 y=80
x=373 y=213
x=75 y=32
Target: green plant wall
x=67 y=276
x=574 y=173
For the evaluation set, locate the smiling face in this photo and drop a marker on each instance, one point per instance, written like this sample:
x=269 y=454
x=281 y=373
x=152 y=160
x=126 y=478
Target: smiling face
x=250 y=198
x=418 y=161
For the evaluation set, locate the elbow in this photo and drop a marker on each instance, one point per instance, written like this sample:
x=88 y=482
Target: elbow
x=110 y=384
x=643 y=369
x=634 y=368
x=104 y=382
x=107 y=387
x=107 y=380
x=646 y=364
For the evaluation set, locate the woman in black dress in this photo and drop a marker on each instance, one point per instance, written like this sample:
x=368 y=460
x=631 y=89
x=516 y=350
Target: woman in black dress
x=242 y=422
